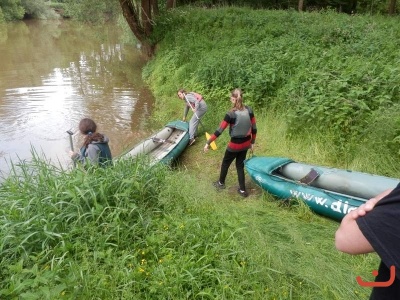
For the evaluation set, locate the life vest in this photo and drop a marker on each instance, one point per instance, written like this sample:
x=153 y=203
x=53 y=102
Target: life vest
x=198 y=96
x=242 y=126
x=105 y=157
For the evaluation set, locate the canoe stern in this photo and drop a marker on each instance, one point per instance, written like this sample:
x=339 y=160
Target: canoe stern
x=181 y=145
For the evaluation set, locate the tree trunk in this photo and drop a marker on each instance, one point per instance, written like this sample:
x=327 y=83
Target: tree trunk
x=170 y=4
x=392 y=7
x=300 y=5
x=146 y=17
x=154 y=7
x=140 y=25
x=132 y=18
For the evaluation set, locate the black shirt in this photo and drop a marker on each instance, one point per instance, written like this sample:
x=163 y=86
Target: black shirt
x=380 y=227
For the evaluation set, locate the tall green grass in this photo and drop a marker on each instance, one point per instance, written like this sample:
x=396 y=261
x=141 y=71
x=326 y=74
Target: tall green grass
x=325 y=73
x=137 y=232
x=63 y=233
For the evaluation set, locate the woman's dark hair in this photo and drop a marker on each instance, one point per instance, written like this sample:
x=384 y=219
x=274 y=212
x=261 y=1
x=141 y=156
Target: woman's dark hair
x=88 y=128
x=182 y=91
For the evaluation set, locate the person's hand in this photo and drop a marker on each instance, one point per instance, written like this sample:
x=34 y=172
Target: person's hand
x=206 y=147
x=184 y=119
x=72 y=154
x=364 y=208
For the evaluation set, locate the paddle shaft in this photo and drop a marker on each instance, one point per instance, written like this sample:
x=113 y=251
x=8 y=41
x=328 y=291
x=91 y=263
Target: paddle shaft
x=184 y=96
x=201 y=123
x=70 y=133
x=213 y=144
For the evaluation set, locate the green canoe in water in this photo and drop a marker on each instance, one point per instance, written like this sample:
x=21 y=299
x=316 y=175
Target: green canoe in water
x=327 y=191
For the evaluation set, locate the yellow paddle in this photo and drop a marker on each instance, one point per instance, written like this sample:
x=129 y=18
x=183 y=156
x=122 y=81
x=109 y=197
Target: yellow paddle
x=213 y=145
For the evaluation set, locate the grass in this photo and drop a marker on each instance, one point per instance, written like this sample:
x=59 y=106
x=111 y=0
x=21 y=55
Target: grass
x=134 y=232
x=291 y=249
x=325 y=73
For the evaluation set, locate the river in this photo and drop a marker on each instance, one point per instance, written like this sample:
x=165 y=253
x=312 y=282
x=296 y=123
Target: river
x=54 y=73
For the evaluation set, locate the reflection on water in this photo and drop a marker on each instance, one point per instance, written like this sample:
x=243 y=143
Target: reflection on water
x=53 y=73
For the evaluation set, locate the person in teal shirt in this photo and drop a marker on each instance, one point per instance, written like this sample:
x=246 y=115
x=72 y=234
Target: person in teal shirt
x=95 y=148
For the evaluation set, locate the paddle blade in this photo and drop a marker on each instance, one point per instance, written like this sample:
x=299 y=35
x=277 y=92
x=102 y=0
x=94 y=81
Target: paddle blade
x=213 y=144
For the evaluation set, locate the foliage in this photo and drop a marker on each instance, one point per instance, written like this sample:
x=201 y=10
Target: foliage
x=92 y=11
x=314 y=68
x=18 y=9
x=381 y=136
x=134 y=232
x=56 y=5
x=343 y=6
x=59 y=226
x=38 y=9
x=2 y=20
x=374 y=7
x=12 y=9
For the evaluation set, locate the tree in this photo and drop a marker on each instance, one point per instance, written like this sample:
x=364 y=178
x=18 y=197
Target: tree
x=12 y=9
x=92 y=11
x=139 y=17
x=38 y=9
x=300 y=5
x=171 y=4
x=392 y=7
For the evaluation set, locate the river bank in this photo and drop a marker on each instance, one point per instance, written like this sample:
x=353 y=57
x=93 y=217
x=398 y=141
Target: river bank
x=329 y=79
x=56 y=72
x=132 y=232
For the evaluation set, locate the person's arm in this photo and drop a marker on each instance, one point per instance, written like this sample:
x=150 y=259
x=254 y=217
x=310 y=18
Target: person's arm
x=189 y=103
x=224 y=124
x=196 y=106
x=348 y=237
x=185 y=111
x=193 y=101
x=253 y=128
x=77 y=157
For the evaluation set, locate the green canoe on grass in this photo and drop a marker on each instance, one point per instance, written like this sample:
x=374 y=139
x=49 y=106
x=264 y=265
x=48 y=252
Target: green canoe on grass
x=327 y=191
x=163 y=146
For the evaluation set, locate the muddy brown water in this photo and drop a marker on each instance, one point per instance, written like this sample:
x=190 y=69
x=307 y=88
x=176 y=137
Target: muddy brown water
x=53 y=73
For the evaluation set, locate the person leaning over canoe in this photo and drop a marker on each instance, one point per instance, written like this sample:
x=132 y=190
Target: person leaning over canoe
x=243 y=131
x=196 y=102
x=95 y=146
x=374 y=227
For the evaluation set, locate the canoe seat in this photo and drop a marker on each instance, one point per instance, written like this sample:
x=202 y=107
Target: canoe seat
x=310 y=177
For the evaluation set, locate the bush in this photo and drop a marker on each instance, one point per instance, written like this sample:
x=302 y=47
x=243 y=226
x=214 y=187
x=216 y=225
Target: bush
x=38 y=9
x=12 y=10
x=324 y=72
